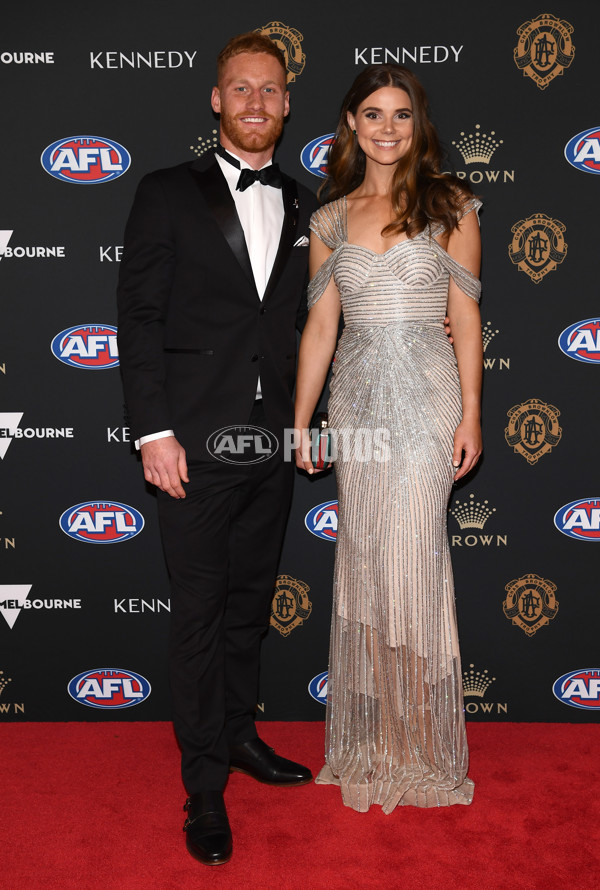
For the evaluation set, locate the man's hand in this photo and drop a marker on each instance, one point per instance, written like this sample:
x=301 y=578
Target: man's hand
x=447 y=329
x=165 y=465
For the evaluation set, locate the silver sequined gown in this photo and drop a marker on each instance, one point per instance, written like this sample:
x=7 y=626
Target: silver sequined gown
x=395 y=720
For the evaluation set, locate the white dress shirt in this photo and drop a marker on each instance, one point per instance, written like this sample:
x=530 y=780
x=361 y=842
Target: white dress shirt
x=260 y=211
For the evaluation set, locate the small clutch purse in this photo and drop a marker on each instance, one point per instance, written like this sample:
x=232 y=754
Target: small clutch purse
x=321 y=450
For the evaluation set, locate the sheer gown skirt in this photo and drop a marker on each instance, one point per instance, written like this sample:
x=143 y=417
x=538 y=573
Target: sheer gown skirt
x=395 y=719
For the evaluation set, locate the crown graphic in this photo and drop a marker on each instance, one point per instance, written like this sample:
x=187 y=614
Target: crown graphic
x=477 y=148
x=204 y=145
x=488 y=334
x=4 y=682
x=472 y=513
x=476 y=682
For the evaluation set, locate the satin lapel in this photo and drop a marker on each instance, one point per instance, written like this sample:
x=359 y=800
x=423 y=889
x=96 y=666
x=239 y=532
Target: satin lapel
x=288 y=233
x=216 y=193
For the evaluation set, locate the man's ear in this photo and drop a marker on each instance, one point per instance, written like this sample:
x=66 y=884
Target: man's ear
x=215 y=100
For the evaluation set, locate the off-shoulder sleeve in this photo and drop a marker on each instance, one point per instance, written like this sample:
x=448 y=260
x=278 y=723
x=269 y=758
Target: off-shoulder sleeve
x=317 y=285
x=466 y=281
x=327 y=223
x=469 y=204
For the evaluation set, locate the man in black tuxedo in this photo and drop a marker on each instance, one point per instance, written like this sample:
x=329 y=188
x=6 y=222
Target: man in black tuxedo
x=211 y=282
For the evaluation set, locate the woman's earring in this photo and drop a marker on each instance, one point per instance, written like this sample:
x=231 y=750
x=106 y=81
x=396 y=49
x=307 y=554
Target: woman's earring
x=354 y=131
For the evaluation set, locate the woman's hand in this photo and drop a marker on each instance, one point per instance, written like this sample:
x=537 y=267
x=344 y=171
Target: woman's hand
x=467 y=447
x=303 y=451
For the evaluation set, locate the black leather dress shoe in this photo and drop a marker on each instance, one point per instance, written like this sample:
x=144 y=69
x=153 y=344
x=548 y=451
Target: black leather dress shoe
x=208 y=835
x=256 y=759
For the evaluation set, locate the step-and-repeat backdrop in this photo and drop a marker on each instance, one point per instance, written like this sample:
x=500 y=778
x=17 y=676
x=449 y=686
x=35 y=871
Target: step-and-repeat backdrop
x=96 y=96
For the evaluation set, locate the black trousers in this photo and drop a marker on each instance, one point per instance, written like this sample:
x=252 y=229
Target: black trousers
x=222 y=545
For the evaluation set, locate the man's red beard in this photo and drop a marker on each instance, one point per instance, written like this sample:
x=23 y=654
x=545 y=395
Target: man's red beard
x=255 y=140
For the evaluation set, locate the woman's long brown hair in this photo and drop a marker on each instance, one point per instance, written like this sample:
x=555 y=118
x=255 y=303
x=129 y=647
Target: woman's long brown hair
x=421 y=194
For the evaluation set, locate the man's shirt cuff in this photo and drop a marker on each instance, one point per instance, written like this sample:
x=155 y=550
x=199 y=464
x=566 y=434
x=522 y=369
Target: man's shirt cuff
x=162 y=435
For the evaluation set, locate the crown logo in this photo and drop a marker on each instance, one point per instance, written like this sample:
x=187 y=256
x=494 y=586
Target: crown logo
x=472 y=513
x=488 y=334
x=476 y=682
x=204 y=145
x=477 y=148
x=4 y=682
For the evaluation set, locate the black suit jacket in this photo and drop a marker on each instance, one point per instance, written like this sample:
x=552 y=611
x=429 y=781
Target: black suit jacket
x=193 y=333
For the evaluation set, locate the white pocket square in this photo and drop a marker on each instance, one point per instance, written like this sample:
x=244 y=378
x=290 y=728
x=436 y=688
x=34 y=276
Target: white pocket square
x=302 y=242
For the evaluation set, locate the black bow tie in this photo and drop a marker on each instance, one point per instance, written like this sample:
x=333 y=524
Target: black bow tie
x=267 y=176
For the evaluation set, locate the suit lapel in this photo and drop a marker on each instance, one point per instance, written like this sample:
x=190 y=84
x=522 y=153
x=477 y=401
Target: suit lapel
x=216 y=193
x=288 y=231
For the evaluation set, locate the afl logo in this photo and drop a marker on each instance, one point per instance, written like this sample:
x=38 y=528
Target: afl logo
x=581 y=341
x=85 y=159
x=322 y=520
x=314 y=155
x=109 y=688
x=242 y=444
x=579 y=689
x=318 y=688
x=583 y=151
x=89 y=346
x=101 y=522
x=580 y=519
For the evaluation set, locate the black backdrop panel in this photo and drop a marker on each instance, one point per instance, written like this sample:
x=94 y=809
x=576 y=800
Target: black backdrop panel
x=139 y=75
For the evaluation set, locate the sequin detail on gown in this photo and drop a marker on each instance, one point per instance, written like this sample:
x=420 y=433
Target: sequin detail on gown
x=395 y=730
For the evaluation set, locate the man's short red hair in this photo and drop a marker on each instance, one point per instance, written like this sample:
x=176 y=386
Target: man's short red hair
x=250 y=42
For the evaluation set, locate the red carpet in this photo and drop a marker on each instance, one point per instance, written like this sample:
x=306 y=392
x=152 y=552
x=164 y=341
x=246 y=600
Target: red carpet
x=98 y=807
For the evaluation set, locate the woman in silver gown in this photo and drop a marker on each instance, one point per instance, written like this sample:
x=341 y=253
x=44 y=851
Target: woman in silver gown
x=395 y=249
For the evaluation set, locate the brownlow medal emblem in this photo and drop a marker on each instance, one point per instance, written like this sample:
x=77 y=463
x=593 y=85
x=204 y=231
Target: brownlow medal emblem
x=544 y=49
x=530 y=602
x=288 y=40
x=291 y=606
x=538 y=245
x=533 y=429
